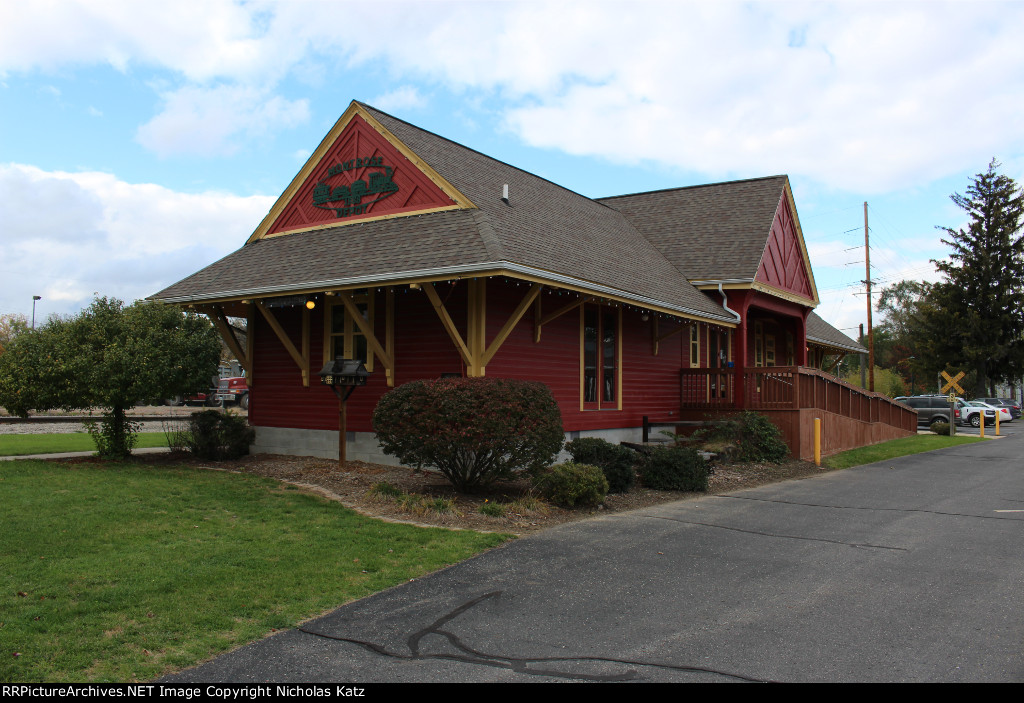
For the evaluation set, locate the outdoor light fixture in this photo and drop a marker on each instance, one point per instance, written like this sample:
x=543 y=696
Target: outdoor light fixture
x=344 y=373
x=34 y=299
x=310 y=303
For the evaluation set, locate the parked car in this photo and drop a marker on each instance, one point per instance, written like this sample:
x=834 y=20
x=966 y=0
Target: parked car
x=932 y=408
x=233 y=390
x=1009 y=403
x=973 y=409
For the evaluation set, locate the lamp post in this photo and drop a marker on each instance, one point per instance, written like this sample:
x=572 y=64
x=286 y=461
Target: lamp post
x=34 y=299
x=346 y=373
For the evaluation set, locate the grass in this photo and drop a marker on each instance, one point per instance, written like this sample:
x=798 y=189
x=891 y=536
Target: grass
x=22 y=444
x=894 y=448
x=123 y=572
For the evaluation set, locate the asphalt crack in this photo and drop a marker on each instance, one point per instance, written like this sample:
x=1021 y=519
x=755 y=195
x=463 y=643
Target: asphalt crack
x=534 y=666
x=853 y=507
x=861 y=545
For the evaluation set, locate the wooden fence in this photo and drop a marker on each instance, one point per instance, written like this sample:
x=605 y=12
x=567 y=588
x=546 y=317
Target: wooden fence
x=792 y=397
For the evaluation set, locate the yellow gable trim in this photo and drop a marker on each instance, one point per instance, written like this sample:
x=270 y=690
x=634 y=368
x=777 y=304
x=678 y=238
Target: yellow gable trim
x=261 y=232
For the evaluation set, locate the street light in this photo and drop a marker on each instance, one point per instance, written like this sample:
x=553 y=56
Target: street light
x=34 y=299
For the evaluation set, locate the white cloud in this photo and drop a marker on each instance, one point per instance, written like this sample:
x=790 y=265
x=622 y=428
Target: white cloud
x=406 y=97
x=859 y=96
x=68 y=235
x=209 y=121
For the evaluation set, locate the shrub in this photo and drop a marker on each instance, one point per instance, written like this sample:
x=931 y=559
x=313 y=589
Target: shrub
x=572 y=484
x=675 y=469
x=115 y=436
x=475 y=431
x=213 y=434
x=752 y=434
x=614 y=460
x=941 y=428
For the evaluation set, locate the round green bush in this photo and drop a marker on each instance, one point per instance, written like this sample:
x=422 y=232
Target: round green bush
x=475 y=431
x=750 y=437
x=572 y=484
x=675 y=469
x=614 y=460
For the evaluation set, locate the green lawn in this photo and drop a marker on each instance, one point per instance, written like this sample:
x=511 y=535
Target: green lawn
x=894 y=448
x=22 y=444
x=121 y=572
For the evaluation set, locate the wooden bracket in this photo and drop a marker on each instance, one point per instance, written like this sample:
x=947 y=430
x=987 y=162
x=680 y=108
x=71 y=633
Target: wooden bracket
x=367 y=332
x=446 y=321
x=511 y=323
x=539 y=321
x=220 y=321
x=287 y=343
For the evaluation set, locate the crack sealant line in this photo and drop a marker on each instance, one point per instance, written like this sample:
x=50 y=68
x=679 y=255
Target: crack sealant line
x=517 y=664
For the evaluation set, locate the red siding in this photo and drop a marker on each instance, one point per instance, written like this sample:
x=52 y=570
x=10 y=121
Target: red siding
x=359 y=141
x=650 y=384
x=782 y=264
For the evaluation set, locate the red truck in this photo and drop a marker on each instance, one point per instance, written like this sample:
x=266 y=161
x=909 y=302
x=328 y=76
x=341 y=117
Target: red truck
x=233 y=390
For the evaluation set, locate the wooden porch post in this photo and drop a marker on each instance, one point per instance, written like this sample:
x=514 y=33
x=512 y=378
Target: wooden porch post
x=739 y=353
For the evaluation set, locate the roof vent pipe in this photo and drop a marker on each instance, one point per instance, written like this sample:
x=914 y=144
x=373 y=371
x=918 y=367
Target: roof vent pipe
x=725 y=304
x=504 y=193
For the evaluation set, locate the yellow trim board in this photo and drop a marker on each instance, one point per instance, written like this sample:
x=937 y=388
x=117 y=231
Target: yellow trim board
x=326 y=144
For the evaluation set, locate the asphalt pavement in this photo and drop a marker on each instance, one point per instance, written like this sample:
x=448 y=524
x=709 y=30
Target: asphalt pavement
x=905 y=570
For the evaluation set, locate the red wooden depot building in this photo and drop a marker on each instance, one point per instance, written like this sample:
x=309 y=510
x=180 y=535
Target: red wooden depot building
x=423 y=258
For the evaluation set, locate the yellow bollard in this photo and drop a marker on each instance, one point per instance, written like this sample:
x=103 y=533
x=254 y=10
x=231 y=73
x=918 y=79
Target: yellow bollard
x=817 y=441
x=982 y=413
x=997 y=423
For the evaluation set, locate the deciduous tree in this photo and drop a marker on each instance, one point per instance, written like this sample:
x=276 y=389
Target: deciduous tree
x=109 y=356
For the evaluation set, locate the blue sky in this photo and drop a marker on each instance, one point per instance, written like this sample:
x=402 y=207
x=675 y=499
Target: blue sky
x=140 y=142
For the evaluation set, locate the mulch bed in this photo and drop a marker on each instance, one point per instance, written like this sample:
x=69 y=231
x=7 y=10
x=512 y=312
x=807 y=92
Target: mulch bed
x=352 y=487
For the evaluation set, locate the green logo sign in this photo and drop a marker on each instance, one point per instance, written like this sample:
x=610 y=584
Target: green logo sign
x=347 y=200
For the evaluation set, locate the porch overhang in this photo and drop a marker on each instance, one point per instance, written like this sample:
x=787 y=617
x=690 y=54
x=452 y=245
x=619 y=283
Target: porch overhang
x=235 y=298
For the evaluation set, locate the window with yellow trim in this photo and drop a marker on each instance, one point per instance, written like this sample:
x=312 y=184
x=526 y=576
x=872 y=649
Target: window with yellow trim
x=694 y=346
x=600 y=357
x=342 y=336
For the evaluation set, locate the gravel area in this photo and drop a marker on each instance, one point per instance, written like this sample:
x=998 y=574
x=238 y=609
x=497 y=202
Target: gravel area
x=172 y=415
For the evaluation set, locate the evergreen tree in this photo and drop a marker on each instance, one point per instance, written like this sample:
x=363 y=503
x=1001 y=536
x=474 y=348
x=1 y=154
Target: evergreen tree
x=976 y=316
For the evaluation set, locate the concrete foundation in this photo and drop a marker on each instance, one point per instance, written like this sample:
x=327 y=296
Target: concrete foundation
x=363 y=446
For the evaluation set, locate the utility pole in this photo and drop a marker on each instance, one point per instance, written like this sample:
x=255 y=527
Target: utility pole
x=867 y=282
x=863 y=377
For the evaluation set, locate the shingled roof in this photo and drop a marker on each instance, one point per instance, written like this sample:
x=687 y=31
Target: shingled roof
x=716 y=231
x=824 y=334
x=544 y=230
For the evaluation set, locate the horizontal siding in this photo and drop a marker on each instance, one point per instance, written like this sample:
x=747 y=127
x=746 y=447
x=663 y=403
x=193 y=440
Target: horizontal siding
x=423 y=350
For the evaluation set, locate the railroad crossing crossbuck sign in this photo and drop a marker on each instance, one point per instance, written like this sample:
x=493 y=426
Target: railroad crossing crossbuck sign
x=952 y=382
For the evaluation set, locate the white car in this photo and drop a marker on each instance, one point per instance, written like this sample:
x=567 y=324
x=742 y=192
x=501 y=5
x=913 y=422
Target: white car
x=972 y=410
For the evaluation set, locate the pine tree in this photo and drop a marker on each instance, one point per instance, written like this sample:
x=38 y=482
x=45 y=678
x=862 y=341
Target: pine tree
x=977 y=313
